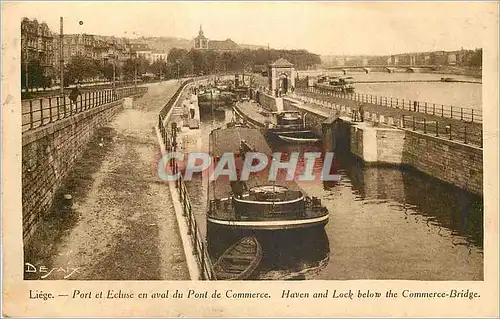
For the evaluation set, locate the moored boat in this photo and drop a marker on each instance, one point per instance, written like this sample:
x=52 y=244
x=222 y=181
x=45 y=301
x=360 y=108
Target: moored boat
x=256 y=203
x=211 y=100
x=299 y=138
x=290 y=126
x=240 y=260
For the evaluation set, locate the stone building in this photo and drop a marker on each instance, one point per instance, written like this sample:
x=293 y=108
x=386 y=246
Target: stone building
x=281 y=76
x=159 y=56
x=37 y=46
x=102 y=48
x=203 y=43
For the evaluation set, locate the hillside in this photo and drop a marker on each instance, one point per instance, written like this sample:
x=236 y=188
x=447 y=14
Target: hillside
x=164 y=44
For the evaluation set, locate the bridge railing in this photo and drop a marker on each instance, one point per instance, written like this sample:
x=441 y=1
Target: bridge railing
x=40 y=112
x=198 y=242
x=447 y=111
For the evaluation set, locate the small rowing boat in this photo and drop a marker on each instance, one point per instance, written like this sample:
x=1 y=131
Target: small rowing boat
x=294 y=138
x=239 y=261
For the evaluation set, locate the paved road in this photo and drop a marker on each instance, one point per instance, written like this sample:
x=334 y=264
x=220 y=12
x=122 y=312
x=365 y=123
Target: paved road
x=123 y=225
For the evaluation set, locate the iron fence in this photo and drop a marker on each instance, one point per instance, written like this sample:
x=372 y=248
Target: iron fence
x=466 y=133
x=446 y=111
x=198 y=242
x=170 y=142
x=40 y=112
x=166 y=108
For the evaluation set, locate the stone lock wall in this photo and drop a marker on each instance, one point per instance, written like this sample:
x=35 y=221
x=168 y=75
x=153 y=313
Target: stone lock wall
x=49 y=152
x=455 y=163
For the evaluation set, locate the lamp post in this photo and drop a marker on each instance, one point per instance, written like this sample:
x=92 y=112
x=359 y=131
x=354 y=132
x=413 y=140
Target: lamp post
x=114 y=73
x=61 y=56
x=135 y=70
x=26 y=65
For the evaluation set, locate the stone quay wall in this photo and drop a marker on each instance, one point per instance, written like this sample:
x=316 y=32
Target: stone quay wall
x=456 y=163
x=48 y=154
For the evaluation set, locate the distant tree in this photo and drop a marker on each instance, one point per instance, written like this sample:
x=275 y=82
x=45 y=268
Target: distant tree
x=476 y=59
x=159 y=68
x=176 y=54
x=82 y=68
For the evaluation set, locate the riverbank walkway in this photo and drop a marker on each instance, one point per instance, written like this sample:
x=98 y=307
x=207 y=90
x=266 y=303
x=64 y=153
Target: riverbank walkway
x=122 y=224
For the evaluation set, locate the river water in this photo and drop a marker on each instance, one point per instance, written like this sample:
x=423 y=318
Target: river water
x=385 y=223
x=467 y=95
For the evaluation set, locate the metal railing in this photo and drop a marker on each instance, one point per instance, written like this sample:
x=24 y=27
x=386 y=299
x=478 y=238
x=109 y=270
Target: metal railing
x=197 y=240
x=466 y=134
x=40 y=112
x=447 y=111
x=166 y=108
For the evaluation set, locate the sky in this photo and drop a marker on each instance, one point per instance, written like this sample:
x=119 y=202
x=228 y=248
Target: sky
x=327 y=28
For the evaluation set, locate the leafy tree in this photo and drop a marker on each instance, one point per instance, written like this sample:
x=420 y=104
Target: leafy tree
x=81 y=68
x=176 y=54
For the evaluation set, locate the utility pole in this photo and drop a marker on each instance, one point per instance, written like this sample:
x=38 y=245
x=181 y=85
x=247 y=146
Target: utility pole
x=114 y=72
x=61 y=57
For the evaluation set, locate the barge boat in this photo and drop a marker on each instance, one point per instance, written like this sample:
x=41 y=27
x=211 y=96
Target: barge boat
x=256 y=204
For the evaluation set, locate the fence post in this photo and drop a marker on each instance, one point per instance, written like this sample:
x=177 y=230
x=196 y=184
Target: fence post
x=64 y=105
x=58 y=111
x=425 y=127
x=451 y=112
x=414 y=123
x=437 y=128
x=202 y=260
x=462 y=113
x=442 y=110
x=472 y=115
x=450 y=131
x=195 y=239
x=50 y=109
x=190 y=222
x=425 y=107
x=31 y=114
x=433 y=108
x=403 y=121
x=465 y=134
x=41 y=111
x=184 y=206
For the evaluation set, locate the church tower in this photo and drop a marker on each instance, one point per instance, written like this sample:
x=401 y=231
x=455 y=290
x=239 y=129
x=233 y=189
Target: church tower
x=201 y=42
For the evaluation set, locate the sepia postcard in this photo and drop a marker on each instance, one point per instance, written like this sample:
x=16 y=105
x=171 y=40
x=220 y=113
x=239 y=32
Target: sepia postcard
x=250 y=159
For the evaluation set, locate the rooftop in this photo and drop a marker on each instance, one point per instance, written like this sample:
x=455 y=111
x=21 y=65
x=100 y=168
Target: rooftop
x=281 y=62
